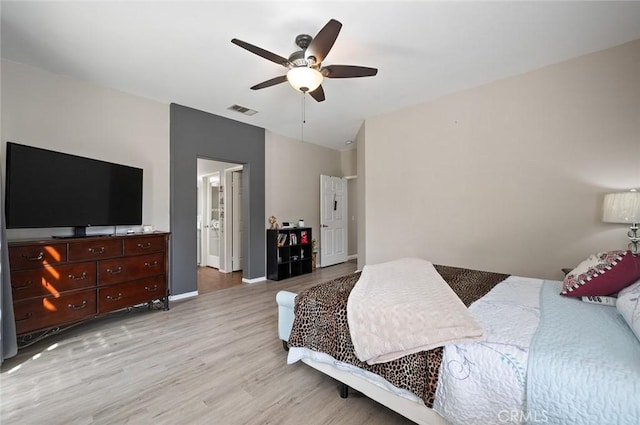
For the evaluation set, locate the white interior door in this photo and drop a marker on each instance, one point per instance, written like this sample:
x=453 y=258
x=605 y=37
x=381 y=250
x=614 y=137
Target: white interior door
x=237 y=224
x=333 y=223
x=212 y=226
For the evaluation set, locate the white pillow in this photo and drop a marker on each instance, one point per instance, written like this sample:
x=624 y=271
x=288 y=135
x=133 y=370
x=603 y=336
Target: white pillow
x=628 y=305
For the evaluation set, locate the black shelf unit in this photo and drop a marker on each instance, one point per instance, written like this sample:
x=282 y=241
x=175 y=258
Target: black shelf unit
x=289 y=252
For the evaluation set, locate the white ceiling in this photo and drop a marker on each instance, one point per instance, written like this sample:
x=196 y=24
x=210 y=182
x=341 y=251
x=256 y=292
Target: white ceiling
x=182 y=52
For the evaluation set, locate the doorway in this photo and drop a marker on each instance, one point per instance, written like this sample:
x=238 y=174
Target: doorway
x=219 y=213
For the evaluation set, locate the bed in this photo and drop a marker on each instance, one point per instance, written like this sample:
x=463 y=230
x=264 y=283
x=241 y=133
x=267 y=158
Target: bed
x=523 y=370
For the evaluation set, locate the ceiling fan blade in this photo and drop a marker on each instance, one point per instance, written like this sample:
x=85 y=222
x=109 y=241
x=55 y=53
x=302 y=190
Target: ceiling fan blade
x=348 y=71
x=318 y=94
x=269 y=83
x=261 y=52
x=323 y=41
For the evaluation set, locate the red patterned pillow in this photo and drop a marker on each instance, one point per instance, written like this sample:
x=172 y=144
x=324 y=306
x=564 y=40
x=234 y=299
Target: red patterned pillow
x=604 y=273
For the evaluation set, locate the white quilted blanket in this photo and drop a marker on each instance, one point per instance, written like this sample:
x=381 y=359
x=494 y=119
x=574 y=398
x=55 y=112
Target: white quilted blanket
x=403 y=307
x=485 y=383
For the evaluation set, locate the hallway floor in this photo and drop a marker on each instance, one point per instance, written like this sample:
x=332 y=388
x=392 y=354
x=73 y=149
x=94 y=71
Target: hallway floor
x=210 y=279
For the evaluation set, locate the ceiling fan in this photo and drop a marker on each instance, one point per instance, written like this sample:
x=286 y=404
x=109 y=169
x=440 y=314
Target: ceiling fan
x=305 y=66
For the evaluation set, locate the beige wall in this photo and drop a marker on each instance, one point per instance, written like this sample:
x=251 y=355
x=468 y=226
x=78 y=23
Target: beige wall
x=292 y=179
x=352 y=217
x=508 y=176
x=361 y=186
x=56 y=112
x=348 y=161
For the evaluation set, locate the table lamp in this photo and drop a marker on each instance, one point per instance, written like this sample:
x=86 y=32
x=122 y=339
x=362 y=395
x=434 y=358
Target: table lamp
x=624 y=207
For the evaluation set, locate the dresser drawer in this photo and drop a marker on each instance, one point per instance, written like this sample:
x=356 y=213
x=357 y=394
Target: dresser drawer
x=27 y=257
x=52 y=280
x=46 y=312
x=130 y=268
x=95 y=249
x=121 y=295
x=143 y=245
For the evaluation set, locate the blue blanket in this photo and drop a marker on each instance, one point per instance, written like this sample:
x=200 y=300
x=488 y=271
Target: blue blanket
x=584 y=364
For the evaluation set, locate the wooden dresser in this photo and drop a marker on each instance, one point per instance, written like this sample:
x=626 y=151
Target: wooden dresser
x=60 y=282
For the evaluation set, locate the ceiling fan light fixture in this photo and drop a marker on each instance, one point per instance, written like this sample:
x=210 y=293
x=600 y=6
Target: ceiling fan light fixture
x=304 y=79
x=305 y=70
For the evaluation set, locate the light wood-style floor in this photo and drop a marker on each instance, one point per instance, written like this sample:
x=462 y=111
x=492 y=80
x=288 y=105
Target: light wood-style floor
x=210 y=279
x=211 y=359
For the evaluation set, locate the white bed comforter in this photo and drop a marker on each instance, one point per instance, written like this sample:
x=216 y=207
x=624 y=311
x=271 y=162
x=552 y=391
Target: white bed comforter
x=485 y=383
x=403 y=307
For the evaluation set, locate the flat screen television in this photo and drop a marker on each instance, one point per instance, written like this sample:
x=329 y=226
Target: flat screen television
x=53 y=189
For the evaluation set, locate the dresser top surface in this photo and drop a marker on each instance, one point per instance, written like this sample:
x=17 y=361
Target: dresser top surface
x=63 y=240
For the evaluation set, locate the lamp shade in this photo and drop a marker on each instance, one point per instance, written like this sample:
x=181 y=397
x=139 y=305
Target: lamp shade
x=621 y=207
x=304 y=79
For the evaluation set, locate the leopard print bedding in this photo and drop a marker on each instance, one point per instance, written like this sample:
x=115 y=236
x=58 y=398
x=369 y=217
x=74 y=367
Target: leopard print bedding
x=320 y=324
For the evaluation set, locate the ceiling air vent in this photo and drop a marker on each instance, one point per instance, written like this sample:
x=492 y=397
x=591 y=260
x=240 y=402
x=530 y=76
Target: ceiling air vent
x=242 y=110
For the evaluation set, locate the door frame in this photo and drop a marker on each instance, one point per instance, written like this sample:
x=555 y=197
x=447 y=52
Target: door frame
x=202 y=179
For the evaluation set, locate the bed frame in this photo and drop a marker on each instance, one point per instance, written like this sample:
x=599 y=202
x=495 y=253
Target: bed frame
x=413 y=410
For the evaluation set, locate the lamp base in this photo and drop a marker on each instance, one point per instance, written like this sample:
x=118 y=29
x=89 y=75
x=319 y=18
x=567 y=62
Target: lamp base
x=633 y=237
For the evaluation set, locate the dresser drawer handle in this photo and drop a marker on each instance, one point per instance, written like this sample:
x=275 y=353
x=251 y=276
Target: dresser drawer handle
x=151 y=288
x=27 y=284
x=115 y=271
x=116 y=298
x=26 y=317
x=151 y=264
x=144 y=245
x=97 y=250
x=81 y=277
x=78 y=307
x=39 y=257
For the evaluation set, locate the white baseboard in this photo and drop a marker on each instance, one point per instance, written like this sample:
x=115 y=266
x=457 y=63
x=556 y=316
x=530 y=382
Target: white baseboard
x=349 y=257
x=254 y=280
x=183 y=296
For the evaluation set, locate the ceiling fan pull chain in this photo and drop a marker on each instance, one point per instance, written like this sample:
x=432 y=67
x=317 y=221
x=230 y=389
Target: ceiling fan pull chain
x=304 y=116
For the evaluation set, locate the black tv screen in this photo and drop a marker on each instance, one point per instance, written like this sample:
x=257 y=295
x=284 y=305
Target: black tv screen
x=53 y=189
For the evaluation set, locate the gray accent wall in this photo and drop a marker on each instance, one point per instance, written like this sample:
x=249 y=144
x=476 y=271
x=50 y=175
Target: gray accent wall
x=196 y=134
